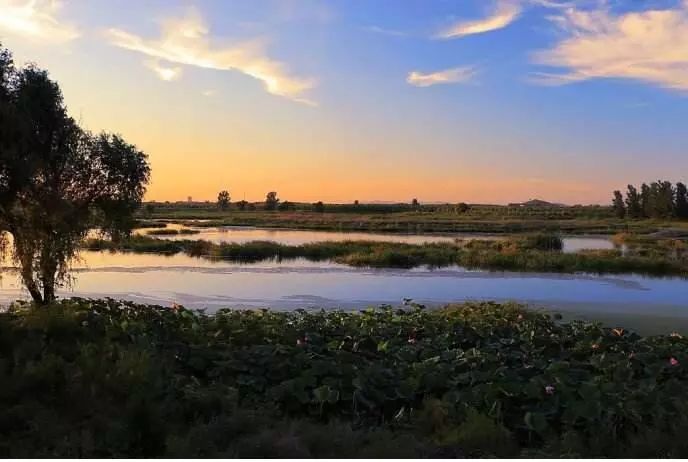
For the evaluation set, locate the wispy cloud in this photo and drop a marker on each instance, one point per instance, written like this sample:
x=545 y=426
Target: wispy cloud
x=186 y=41
x=35 y=20
x=505 y=12
x=385 y=31
x=649 y=46
x=165 y=73
x=454 y=75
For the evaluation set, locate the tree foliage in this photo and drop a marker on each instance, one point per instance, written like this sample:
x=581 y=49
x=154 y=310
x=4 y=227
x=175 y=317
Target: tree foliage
x=618 y=205
x=659 y=199
x=223 y=199
x=271 y=201
x=57 y=180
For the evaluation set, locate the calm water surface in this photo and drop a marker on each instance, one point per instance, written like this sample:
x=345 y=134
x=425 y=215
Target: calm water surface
x=654 y=302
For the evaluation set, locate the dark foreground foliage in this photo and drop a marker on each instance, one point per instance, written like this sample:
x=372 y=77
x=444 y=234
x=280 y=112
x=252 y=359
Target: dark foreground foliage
x=100 y=378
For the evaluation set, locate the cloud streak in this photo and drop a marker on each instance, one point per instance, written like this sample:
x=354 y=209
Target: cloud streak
x=447 y=76
x=168 y=74
x=649 y=46
x=186 y=41
x=35 y=20
x=505 y=12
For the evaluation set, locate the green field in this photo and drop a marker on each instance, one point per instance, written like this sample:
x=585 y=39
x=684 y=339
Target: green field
x=426 y=219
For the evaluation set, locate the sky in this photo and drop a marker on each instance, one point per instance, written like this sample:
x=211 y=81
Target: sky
x=481 y=101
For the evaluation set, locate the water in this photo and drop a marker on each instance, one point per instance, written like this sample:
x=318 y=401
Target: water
x=241 y=234
x=641 y=302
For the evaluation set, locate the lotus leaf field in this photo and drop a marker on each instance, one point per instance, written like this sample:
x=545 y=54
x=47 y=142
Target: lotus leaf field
x=102 y=378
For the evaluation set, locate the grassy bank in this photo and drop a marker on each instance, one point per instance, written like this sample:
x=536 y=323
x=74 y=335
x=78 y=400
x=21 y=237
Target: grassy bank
x=537 y=253
x=114 y=379
x=427 y=219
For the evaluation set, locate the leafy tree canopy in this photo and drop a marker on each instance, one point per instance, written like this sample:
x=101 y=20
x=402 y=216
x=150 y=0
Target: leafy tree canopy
x=57 y=181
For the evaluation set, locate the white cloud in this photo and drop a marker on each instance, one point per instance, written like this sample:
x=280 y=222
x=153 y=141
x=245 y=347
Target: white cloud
x=165 y=73
x=209 y=93
x=185 y=41
x=454 y=75
x=35 y=20
x=505 y=12
x=649 y=46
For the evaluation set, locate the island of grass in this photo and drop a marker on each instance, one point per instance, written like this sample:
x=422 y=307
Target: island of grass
x=534 y=253
x=102 y=378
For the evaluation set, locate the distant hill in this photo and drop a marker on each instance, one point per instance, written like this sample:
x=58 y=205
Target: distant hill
x=536 y=203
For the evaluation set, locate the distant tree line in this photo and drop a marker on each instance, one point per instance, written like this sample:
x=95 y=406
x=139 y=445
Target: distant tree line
x=659 y=199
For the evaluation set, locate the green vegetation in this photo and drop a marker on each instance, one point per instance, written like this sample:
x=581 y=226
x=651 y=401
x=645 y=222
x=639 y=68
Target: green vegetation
x=460 y=218
x=659 y=199
x=101 y=378
x=539 y=252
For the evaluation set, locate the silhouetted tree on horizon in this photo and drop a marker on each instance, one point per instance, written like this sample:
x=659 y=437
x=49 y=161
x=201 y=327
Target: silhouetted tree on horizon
x=271 y=201
x=634 y=208
x=659 y=199
x=618 y=205
x=223 y=199
x=681 y=200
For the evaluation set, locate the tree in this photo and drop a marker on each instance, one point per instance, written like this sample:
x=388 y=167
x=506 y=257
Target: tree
x=664 y=199
x=646 y=201
x=223 y=199
x=58 y=181
x=271 y=201
x=414 y=203
x=319 y=207
x=634 y=208
x=241 y=205
x=618 y=205
x=681 y=204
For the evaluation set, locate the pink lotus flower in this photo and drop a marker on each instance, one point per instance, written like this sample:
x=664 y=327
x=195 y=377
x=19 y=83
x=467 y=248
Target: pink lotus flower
x=631 y=355
x=673 y=361
x=595 y=346
x=549 y=390
x=675 y=335
x=412 y=341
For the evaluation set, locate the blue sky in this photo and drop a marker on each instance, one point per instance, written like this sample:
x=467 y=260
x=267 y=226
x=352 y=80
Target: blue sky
x=482 y=101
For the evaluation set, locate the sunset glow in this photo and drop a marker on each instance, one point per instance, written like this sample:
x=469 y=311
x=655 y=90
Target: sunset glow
x=446 y=101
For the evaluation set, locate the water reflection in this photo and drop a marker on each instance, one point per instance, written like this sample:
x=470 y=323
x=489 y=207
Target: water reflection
x=299 y=283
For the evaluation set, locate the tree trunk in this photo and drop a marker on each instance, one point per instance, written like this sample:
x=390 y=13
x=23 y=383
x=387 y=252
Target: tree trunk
x=35 y=293
x=48 y=294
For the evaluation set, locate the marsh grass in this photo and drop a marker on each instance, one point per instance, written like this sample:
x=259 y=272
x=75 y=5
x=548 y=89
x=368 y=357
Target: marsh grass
x=533 y=253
